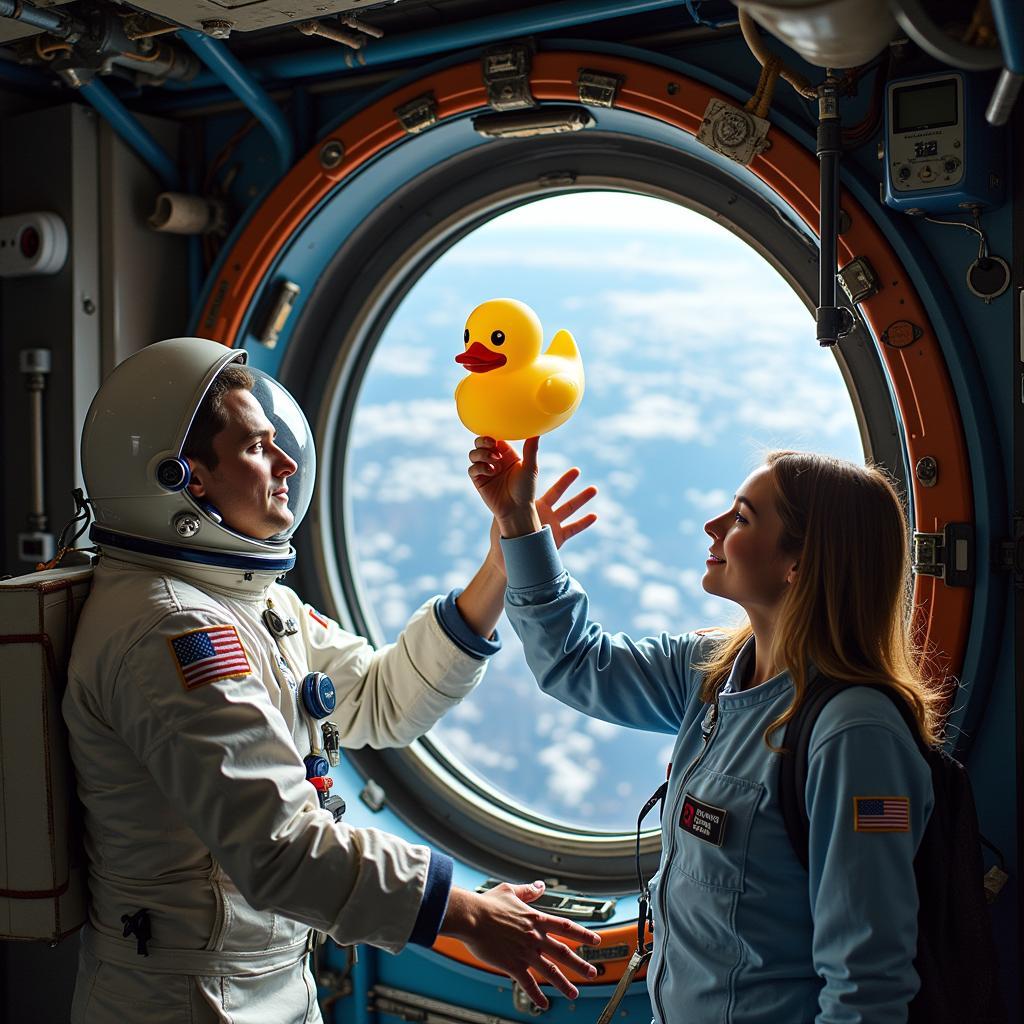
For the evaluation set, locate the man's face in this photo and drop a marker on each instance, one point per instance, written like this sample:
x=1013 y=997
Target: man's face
x=249 y=486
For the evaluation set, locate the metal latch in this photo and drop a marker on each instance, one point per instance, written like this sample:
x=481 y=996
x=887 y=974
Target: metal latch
x=948 y=555
x=598 y=88
x=418 y=114
x=582 y=908
x=506 y=72
x=858 y=279
x=733 y=132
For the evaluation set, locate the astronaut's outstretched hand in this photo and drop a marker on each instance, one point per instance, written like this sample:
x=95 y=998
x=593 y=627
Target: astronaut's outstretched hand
x=506 y=483
x=501 y=928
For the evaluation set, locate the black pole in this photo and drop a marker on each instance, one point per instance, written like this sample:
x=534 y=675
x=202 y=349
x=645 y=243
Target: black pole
x=832 y=322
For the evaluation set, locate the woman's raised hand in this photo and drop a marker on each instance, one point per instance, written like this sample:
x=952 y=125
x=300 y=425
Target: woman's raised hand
x=558 y=516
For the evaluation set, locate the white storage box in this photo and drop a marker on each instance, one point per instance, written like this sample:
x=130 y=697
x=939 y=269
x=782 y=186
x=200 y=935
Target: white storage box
x=42 y=870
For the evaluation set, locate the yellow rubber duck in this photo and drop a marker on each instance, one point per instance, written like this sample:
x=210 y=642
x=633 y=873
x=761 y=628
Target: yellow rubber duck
x=513 y=391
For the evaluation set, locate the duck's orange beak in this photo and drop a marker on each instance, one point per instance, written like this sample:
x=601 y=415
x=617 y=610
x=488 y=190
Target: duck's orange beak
x=479 y=358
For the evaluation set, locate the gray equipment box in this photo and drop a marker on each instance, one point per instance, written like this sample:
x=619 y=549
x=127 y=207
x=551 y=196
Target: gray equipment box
x=42 y=870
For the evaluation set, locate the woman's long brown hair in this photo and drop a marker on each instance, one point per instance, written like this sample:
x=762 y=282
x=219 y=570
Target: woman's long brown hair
x=848 y=613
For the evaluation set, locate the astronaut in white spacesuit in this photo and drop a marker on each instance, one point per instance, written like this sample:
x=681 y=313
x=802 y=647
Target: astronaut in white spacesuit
x=202 y=697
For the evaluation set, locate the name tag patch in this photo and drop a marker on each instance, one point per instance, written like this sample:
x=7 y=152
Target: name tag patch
x=703 y=820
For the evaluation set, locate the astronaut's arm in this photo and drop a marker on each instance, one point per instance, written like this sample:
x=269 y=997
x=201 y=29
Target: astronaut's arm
x=388 y=697
x=221 y=753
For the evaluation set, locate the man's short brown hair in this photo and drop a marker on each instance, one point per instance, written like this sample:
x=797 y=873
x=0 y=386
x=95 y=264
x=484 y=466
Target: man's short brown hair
x=210 y=419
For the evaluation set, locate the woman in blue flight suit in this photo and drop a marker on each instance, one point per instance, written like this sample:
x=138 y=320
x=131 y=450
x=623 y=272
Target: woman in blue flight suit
x=814 y=550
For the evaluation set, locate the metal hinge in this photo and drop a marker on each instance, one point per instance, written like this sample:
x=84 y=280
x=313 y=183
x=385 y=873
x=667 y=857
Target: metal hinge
x=506 y=72
x=418 y=114
x=948 y=555
x=598 y=88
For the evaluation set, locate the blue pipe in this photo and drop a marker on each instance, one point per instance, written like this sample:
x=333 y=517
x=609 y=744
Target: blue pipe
x=1009 y=18
x=231 y=73
x=129 y=129
x=545 y=17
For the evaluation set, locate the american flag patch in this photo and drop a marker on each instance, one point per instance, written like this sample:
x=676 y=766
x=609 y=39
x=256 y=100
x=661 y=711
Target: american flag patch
x=208 y=654
x=317 y=617
x=881 y=814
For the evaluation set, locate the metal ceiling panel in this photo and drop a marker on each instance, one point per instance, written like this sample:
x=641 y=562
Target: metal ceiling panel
x=247 y=15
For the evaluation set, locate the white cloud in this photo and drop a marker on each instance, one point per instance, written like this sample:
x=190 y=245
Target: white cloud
x=459 y=574
x=651 y=623
x=622 y=576
x=445 y=318
x=659 y=597
x=602 y=730
x=374 y=572
x=568 y=780
x=678 y=323
x=392 y=613
x=713 y=501
x=474 y=753
x=466 y=711
x=720 y=612
x=579 y=561
x=623 y=482
x=432 y=418
x=545 y=722
x=657 y=416
x=396 y=360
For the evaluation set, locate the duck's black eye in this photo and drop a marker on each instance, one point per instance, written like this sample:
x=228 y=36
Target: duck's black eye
x=465 y=336
x=498 y=337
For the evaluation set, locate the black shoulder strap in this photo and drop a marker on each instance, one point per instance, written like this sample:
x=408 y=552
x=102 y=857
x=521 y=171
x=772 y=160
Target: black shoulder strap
x=793 y=763
x=796 y=743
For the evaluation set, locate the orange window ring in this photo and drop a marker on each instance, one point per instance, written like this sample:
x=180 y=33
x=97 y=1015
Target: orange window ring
x=896 y=315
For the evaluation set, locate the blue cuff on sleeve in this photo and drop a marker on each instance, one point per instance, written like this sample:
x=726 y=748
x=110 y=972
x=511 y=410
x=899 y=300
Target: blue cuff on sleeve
x=435 y=900
x=451 y=621
x=531 y=560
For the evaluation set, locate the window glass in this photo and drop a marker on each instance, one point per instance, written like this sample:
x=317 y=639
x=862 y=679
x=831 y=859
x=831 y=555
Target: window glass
x=698 y=356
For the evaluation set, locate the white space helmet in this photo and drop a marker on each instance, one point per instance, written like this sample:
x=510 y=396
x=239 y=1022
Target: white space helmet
x=137 y=477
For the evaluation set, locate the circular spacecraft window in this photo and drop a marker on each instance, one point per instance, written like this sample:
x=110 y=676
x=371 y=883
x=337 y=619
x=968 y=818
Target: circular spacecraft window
x=699 y=357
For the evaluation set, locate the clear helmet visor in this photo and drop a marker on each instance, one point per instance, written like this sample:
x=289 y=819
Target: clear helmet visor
x=292 y=435
x=294 y=438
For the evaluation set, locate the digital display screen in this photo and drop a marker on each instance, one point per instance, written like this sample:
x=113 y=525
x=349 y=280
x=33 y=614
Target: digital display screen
x=932 y=105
